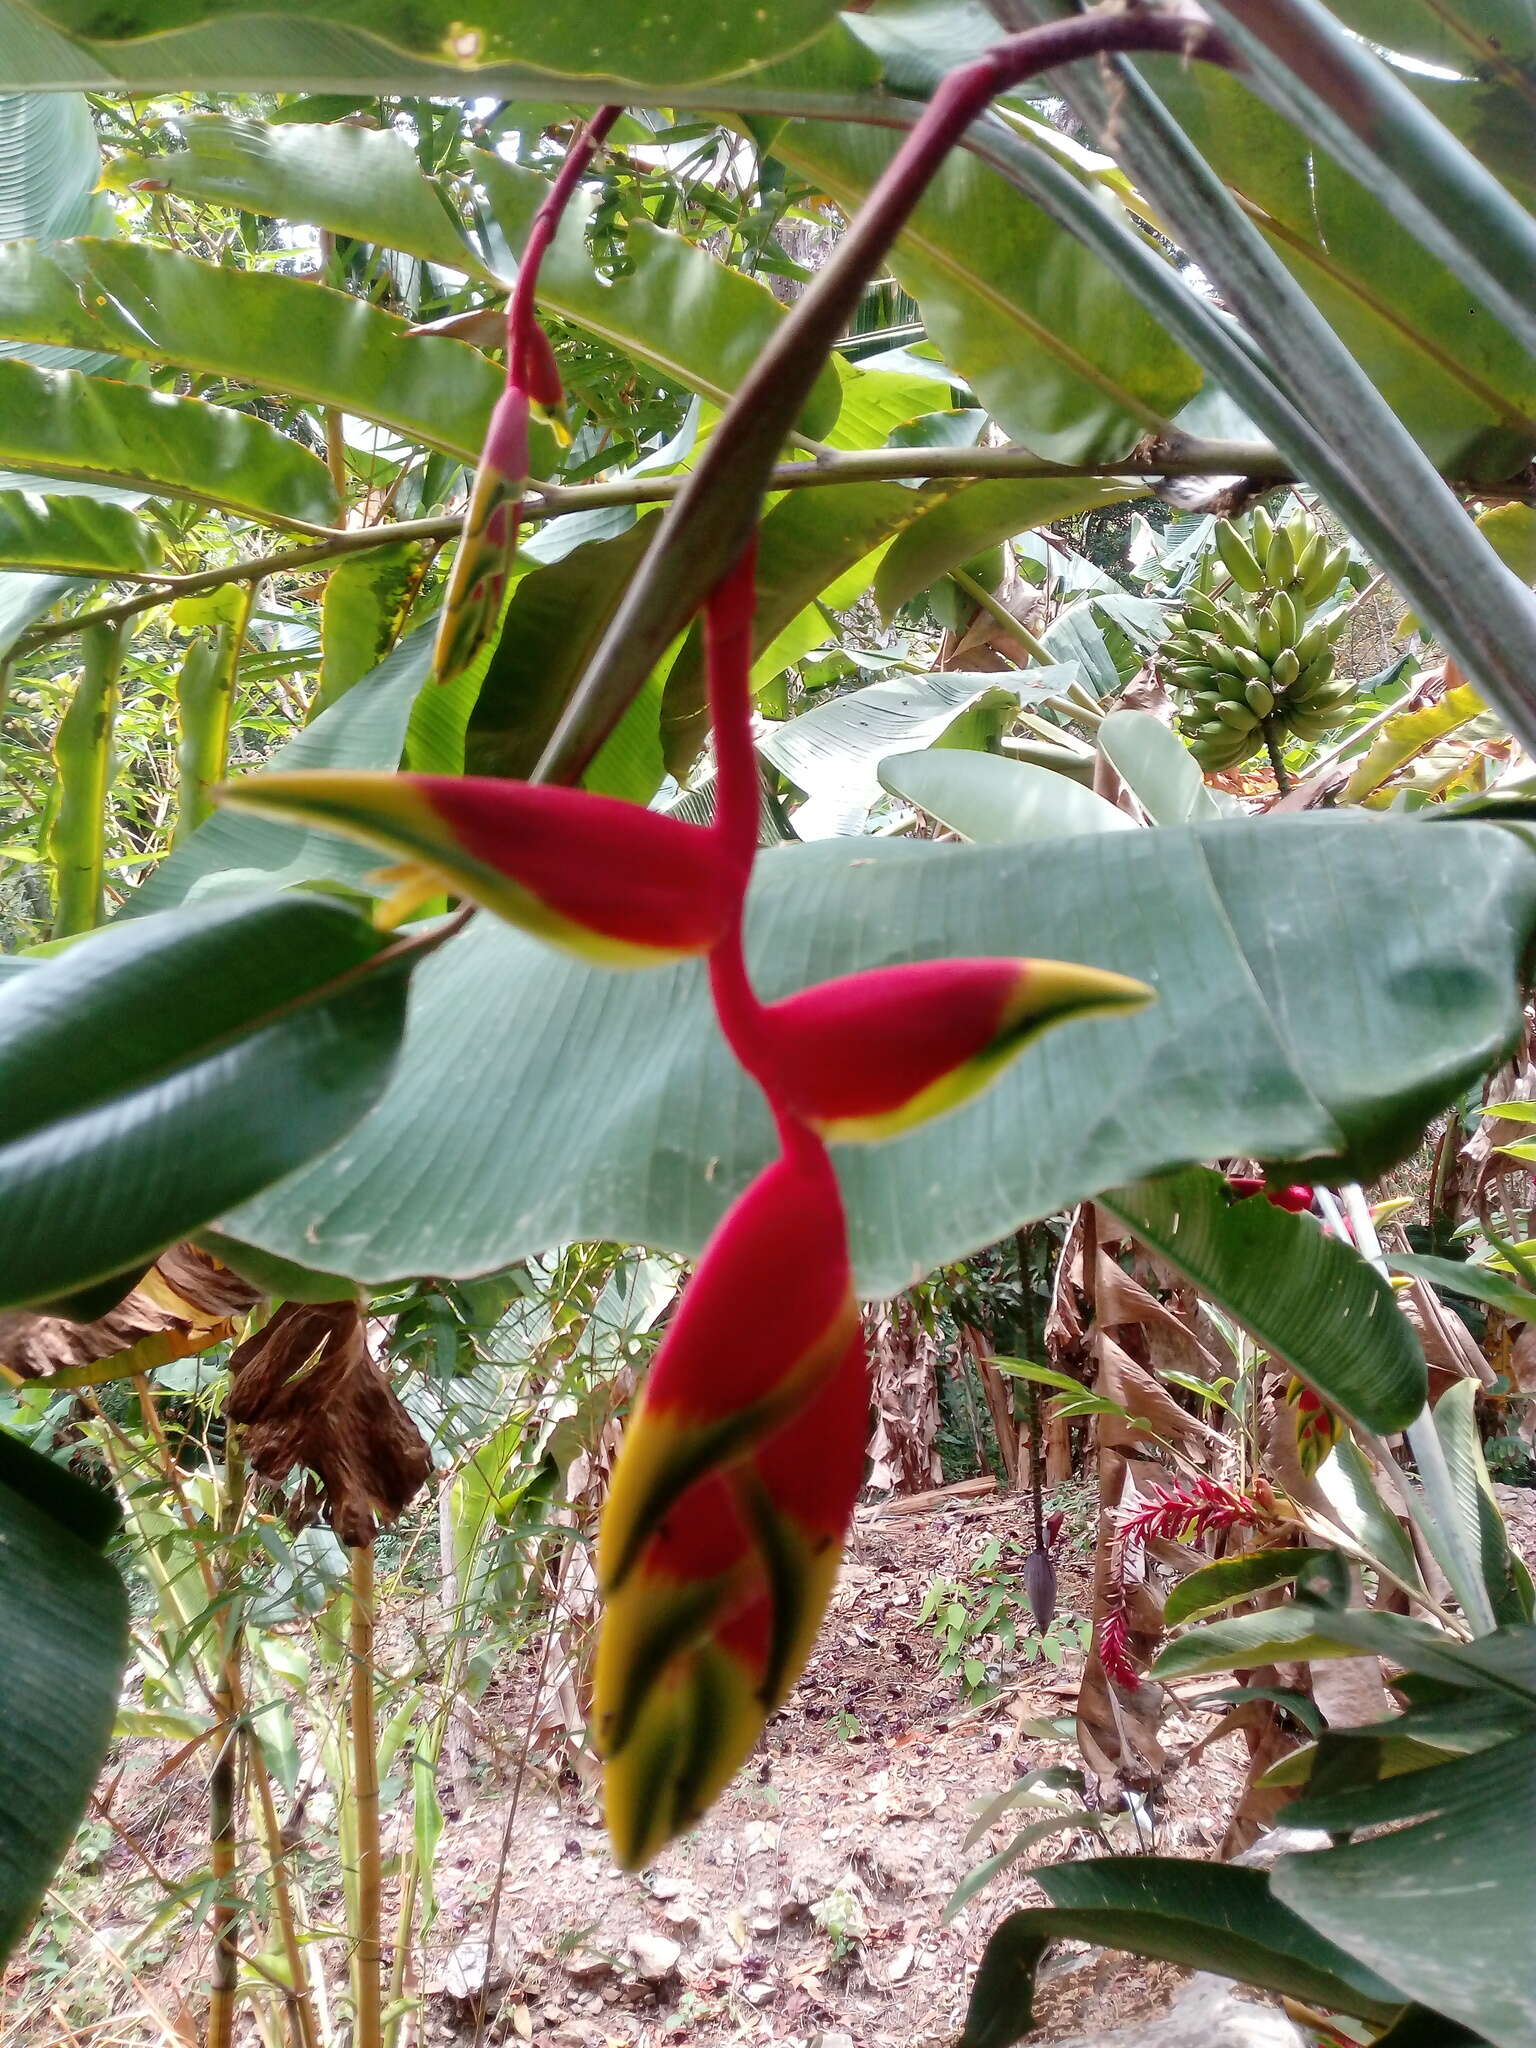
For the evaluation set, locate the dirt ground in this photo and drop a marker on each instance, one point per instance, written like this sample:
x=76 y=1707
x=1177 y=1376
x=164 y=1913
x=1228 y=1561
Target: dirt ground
x=807 y=1908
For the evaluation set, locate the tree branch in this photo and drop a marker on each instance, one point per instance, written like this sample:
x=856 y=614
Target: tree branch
x=1150 y=460
x=549 y=501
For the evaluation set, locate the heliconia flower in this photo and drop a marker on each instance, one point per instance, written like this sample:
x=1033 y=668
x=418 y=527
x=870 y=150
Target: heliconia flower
x=713 y=1622
x=727 y=1508
x=872 y=1054
x=488 y=542
x=599 y=877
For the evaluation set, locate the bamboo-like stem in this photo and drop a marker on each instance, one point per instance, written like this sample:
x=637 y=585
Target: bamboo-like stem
x=222 y=1777
x=82 y=755
x=367 y=1946
x=301 y=2006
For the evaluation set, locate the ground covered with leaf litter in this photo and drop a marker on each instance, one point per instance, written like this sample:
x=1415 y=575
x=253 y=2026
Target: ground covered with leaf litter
x=806 y=1908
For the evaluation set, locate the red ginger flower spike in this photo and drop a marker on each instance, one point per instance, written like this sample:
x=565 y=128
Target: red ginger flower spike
x=598 y=877
x=877 y=1053
x=728 y=1507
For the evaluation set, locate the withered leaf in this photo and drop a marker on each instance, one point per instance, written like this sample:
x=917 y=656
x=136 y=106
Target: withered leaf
x=186 y=1302
x=308 y=1393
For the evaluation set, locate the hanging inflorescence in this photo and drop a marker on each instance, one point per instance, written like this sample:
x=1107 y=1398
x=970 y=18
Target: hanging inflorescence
x=731 y=1499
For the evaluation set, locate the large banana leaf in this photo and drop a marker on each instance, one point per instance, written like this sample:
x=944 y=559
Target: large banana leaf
x=93 y=430
x=73 y=536
x=1294 y=377
x=833 y=751
x=1458 y=379
x=1444 y=1908
x=997 y=802
x=64 y=1616
x=268 y=50
x=362 y=182
x=629 y=39
x=283 y=334
x=979 y=516
x=139 y=1069
x=49 y=163
x=1050 y=340
x=564 y=1103
x=1309 y=1299
x=672 y=305
x=1208 y=1916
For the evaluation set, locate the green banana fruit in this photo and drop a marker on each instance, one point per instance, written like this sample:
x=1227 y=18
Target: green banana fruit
x=1238 y=716
x=1253 y=668
x=1280 y=560
x=1238 y=558
x=1261 y=699
x=1285 y=668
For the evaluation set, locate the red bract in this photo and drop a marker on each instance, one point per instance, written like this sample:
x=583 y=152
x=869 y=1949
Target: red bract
x=1181 y=1513
x=1115 y=1649
x=488 y=542
x=876 y=1053
x=761 y=1326
x=1318 y=1429
x=605 y=879
x=1296 y=1199
x=726 y=1513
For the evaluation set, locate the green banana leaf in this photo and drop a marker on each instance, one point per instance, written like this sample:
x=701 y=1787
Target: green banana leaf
x=568 y=1103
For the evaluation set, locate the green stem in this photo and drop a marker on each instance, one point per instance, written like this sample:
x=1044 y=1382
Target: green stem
x=205 y=692
x=978 y=593
x=1272 y=748
x=82 y=753
x=367 y=1945
x=223 y=1842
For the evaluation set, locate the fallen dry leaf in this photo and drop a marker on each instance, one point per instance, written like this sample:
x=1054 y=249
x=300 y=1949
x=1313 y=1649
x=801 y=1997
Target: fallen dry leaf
x=308 y=1393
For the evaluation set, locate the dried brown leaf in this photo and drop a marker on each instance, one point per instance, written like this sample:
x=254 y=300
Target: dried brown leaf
x=186 y=1302
x=309 y=1393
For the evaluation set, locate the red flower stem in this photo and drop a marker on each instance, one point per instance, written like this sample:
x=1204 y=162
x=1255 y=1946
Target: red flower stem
x=728 y=667
x=712 y=517
x=546 y=224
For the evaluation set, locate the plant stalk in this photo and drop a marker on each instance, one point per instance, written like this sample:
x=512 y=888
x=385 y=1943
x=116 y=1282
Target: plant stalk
x=1272 y=748
x=82 y=754
x=979 y=594
x=720 y=503
x=367 y=1944
x=222 y=1778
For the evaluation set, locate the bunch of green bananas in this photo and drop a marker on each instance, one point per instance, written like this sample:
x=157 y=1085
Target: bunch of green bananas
x=1250 y=662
